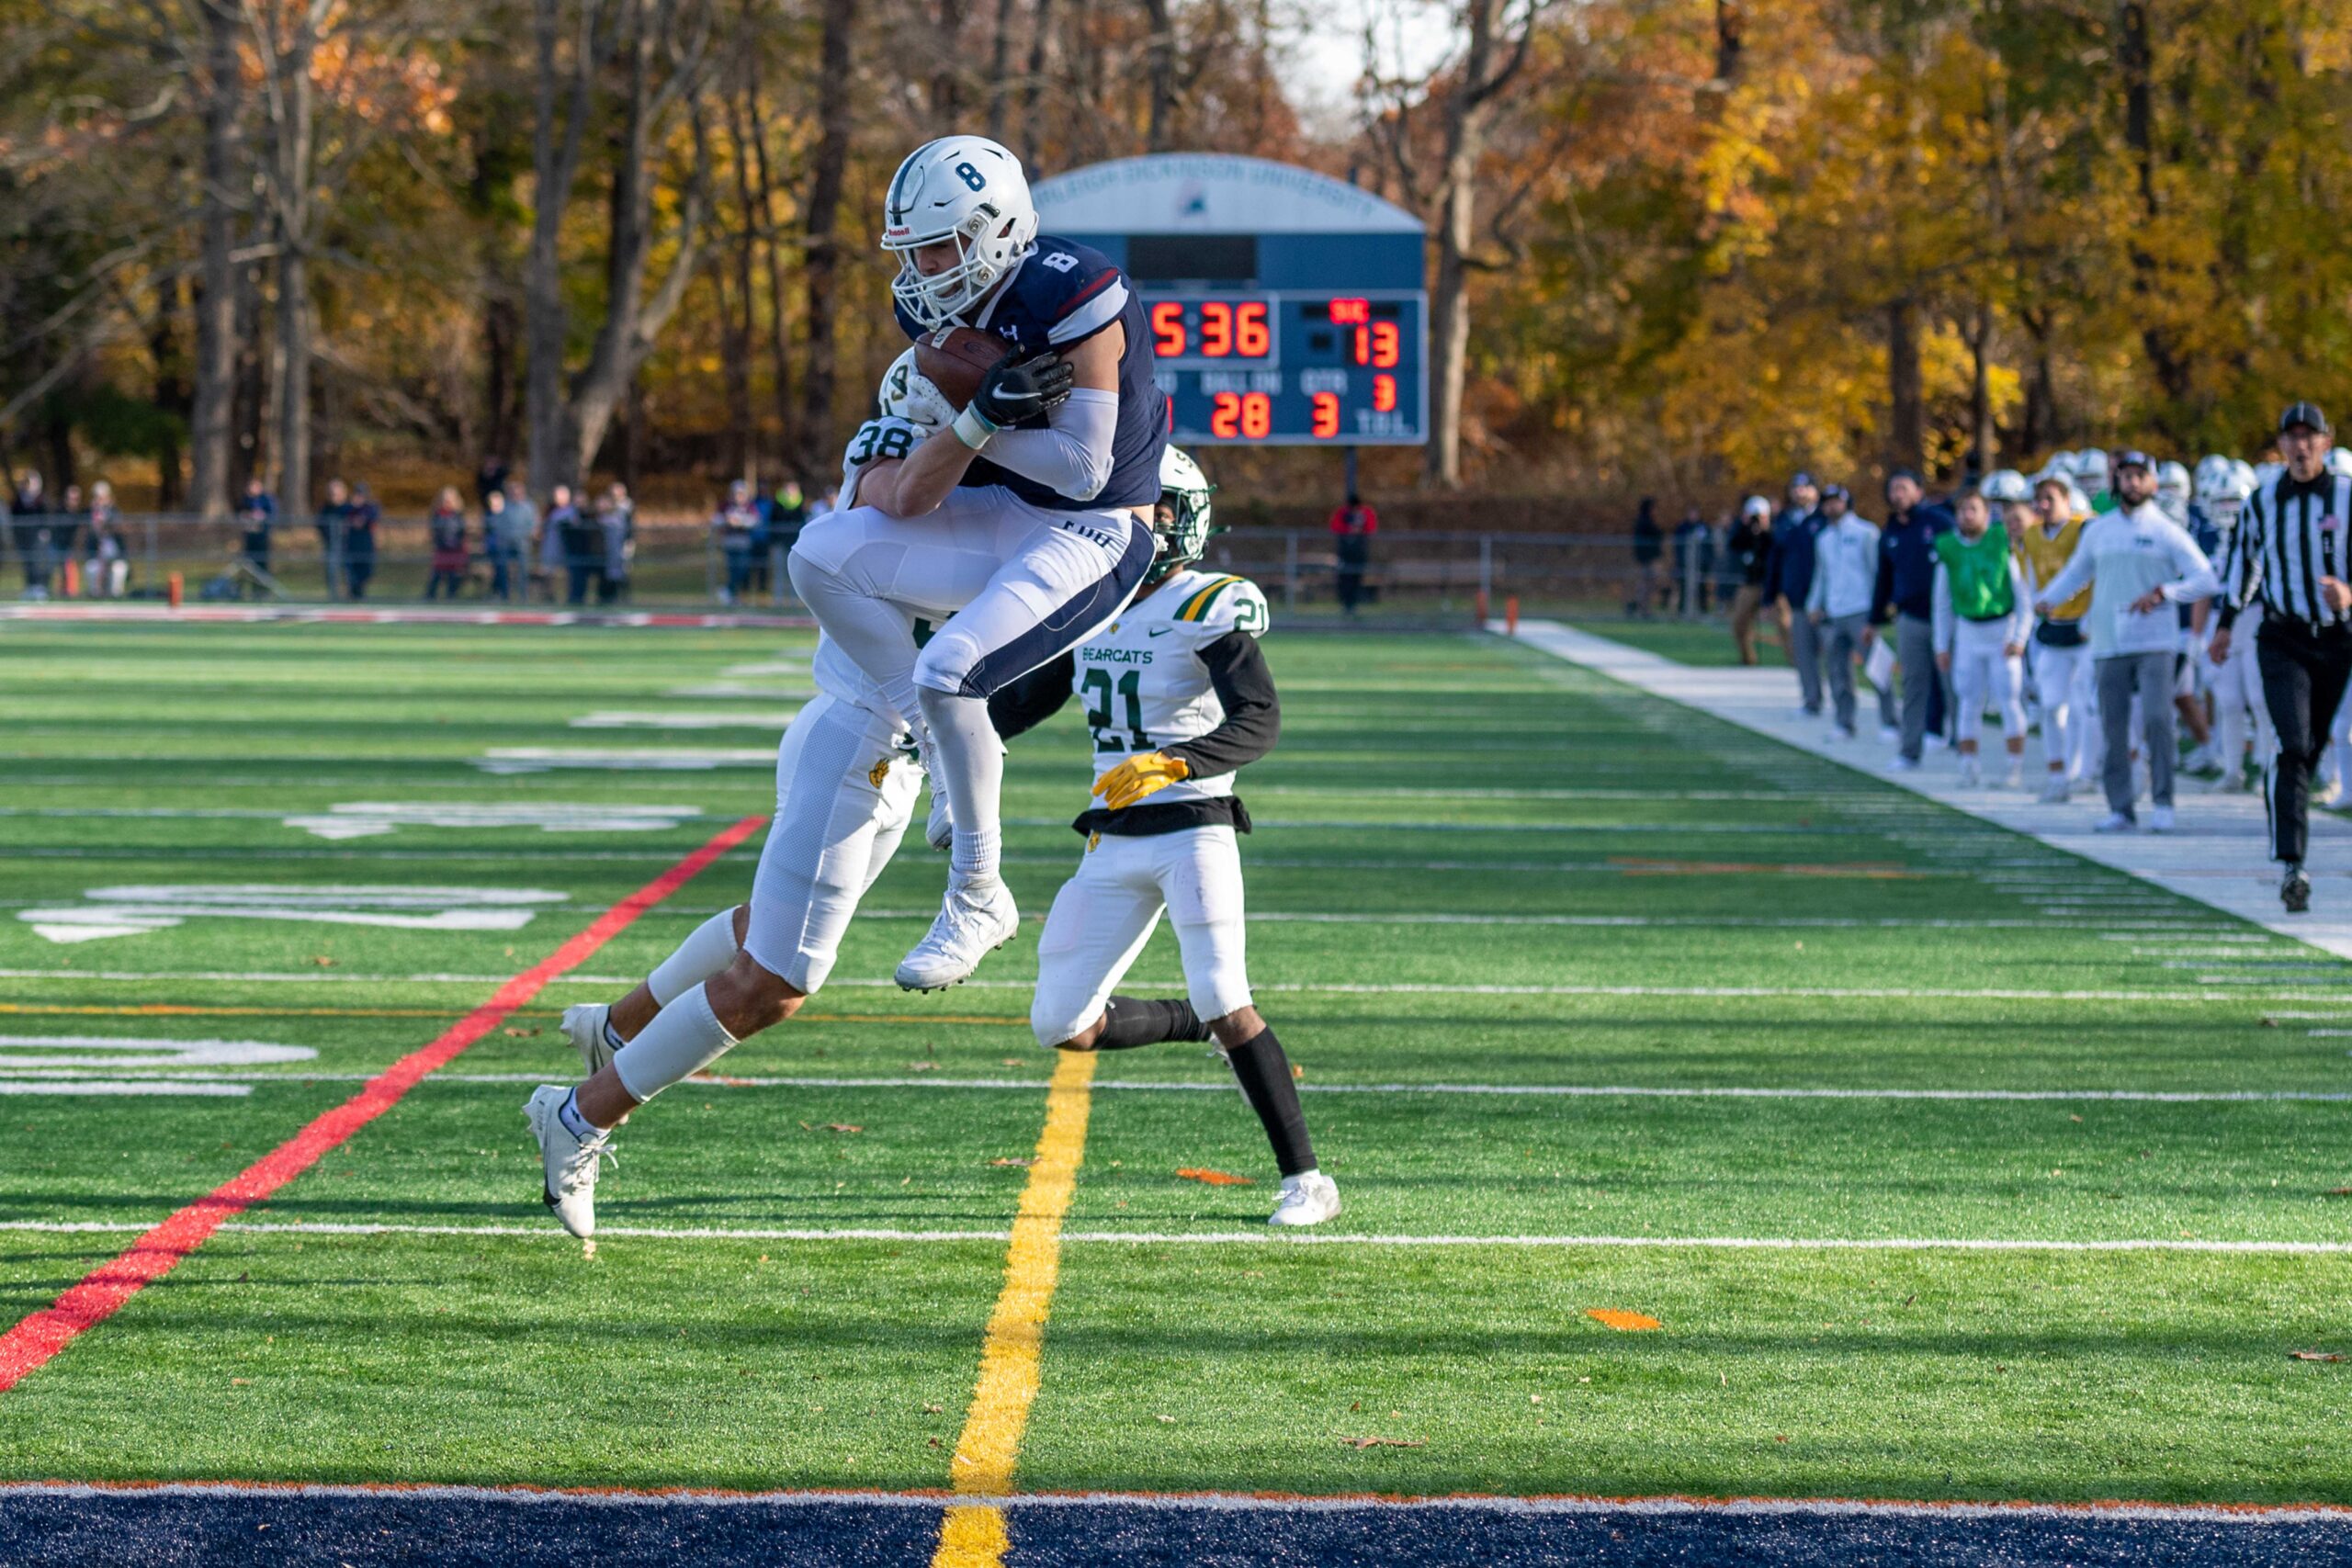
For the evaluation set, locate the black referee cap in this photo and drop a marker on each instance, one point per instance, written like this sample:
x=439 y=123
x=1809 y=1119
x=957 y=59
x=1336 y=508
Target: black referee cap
x=2134 y=459
x=2307 y=415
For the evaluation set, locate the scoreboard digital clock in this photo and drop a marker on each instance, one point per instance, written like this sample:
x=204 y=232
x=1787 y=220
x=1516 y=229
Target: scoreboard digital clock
x=1278 y=367
x=1286 y=308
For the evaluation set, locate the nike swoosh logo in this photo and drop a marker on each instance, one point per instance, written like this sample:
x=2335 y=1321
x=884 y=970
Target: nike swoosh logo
x=1157 y=631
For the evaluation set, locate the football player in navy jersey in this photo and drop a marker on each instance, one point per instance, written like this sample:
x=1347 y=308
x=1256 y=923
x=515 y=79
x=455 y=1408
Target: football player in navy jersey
x=1022 y=527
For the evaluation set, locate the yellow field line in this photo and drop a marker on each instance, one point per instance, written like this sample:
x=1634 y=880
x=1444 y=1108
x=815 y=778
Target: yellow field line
x=972 y=1535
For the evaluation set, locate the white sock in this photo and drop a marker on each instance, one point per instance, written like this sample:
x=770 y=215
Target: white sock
x=704 y=955
x=875 y=636
x=963 y=743
x=683 y=1038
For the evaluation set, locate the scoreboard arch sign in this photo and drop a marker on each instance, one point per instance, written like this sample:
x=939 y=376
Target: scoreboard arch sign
x=1286 y=306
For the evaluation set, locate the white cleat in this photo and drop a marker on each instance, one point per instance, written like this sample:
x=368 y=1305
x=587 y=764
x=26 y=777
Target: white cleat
x=1904 y=765
x=1308 y=1199
x=2015 y=777
x=584 y=1024
x=1889 y=734
x=2055 y=791
x=1971 y=775
x=570 y=1163
x=973 y=920
x=2114 y=822
x=2160 y=820
x=1838 y=737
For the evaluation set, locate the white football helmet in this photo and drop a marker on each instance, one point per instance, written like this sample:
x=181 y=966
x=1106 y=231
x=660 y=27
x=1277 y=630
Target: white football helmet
x=2213 y=479
x=2340 y=460
x=2090 y=469
x=907 y=393
x=2005 y=486
x=2248 y=481
x=1755 y=506
x=2172 y=490
x=967 y=190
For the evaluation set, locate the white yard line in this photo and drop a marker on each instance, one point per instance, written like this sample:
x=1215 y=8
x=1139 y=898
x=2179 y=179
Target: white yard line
x=1155 y=1085
x=1259 y=1236
x=2220 y=858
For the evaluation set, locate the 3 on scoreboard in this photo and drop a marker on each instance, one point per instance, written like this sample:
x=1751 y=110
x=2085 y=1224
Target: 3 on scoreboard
x=1291 y=368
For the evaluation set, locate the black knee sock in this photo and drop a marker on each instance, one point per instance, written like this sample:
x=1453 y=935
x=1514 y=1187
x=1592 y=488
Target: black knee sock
x=1266 y=1081
x=1130 y=1021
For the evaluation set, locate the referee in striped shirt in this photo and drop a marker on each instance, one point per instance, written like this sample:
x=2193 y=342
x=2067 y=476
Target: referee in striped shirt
x=2290 y=554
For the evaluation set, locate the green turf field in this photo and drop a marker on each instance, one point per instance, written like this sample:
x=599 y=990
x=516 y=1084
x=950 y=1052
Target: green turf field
x=1572 y=973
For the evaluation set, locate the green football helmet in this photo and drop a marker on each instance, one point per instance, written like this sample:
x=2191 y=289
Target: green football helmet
x=1184 y=536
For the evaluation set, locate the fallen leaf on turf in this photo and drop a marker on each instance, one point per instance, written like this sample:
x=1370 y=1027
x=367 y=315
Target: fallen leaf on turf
x=2315 y=1355
x=1297 y=1071
x=842 y=1127
x=1385 y=1442
x=521 y=1033
x=931 y=1409
x=1623 y=1322
x=2340 y=1192
x=323 y=961
x=240 y=1382
x=1024 y=1164
x=1015 y=1061
x=1166 y=1420
x=922 y=1067
x=1213 y=1178
x=2269 y=1023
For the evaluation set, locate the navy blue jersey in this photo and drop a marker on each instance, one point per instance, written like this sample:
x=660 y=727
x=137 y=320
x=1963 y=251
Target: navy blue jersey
x=1060 y=294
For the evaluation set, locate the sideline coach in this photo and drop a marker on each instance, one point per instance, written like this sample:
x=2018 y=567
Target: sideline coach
x=2290 y=552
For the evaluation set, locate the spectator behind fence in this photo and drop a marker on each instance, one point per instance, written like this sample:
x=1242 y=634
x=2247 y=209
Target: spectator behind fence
x=489 y=479
x=1649 y=547
x=359 y=524
x=30 y=529
x=1787 y=582
x=617 y=525
x=66 y=526
x=576 y=541
x=1903 y=605
x=445 y=526
x=1749 y=550
x=1694 y=561
x=108 y=568
x=785 y=514
x=256 y=515
x=506 y=538
x=1352 y=525
x=334 y=516
x=734 y=524
x=523 y=527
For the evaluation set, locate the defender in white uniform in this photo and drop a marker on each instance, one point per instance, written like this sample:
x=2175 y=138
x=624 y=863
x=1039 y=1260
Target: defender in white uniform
x=1177 y=696
x=846 y=783
x=2223 y=487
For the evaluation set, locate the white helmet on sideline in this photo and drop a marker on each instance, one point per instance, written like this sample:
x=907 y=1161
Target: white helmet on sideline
x=2213 y=479
x=965 y=189
x=2005 y=486
x=2090 y=469
x=2172 y=490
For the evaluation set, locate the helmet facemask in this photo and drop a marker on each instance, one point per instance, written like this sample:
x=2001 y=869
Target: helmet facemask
x=1183 y=535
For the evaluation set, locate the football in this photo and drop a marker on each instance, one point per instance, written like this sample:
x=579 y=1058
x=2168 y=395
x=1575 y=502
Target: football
x=954 y=358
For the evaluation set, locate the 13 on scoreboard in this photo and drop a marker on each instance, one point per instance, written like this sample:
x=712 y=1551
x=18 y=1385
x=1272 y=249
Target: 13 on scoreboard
x=1287 y=308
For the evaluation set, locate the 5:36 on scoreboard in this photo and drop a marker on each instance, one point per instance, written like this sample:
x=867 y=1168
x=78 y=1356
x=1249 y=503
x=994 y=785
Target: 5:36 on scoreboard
x=1293 y=368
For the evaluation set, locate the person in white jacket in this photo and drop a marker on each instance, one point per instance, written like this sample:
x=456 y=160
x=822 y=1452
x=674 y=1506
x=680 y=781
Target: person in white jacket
x=1980 y=625
x=2139 y=566
x=1845 y=575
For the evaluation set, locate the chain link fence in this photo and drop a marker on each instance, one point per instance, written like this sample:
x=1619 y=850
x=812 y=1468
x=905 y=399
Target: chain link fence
x=1445 y=576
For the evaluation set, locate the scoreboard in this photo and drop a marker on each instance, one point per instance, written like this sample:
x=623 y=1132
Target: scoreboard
x=1286 y=308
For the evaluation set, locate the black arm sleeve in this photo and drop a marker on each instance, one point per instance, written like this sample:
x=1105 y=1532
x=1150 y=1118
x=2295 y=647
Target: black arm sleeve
x=1253 y=716
x=1034 y=698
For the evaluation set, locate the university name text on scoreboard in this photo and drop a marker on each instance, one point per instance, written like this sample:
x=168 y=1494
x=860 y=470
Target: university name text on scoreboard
x=1286 y=308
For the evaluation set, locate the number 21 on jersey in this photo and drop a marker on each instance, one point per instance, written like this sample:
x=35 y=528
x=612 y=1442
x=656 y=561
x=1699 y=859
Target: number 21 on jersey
x=1099 y=691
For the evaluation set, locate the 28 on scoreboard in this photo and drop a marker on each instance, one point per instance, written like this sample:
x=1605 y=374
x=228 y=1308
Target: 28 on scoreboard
x=1293 y=368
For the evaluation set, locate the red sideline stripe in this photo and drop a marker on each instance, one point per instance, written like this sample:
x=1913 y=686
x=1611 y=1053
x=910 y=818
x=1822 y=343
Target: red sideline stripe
x=102 y=1293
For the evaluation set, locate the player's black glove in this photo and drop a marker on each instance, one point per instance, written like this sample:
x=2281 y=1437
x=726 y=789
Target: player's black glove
x=1017 y=389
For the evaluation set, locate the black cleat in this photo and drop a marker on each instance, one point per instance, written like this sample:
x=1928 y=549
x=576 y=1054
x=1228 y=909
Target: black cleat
x=2295 y=891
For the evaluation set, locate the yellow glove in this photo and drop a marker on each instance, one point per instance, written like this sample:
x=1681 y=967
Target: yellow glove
x=1138 y=776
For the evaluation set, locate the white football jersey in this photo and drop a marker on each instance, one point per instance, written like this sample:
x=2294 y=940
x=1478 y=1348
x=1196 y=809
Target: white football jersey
x=885 y=435
x=1142 y=680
